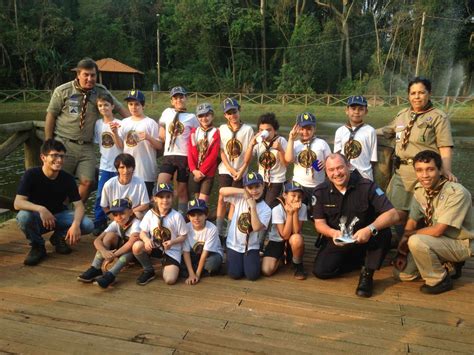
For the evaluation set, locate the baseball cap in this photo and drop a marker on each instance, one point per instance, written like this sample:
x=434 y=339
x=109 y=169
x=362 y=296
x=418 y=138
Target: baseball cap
x=135 y=95
x=177 y=90
x=252 y=178
x=197 y=205
x=203 y=108
x=293 y=186
x=163 y=188
x=120 y=205
x=306 y=119
x=356 y=100
x=230 y=104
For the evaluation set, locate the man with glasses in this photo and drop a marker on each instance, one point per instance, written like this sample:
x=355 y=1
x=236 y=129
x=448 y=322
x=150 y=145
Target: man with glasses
x=41 y=200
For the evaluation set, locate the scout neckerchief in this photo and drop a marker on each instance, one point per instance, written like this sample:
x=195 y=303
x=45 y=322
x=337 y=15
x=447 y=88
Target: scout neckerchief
x=202 y=144
x=174 y=127
x=413 y=117
x=430 y=195
x=285 y=248
x=86 y=94
x=308 y=151
x=232 y=141
x=352 y=148
x=161 y=221
x=248 y=231
x=266 y=160
x=127 y=225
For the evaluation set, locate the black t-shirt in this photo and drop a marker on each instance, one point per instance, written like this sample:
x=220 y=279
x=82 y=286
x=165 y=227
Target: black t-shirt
x=43 y=191
x=363 y=198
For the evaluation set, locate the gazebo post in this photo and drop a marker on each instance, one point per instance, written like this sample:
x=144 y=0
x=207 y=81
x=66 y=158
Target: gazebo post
x=133 y=80
x=100 y=77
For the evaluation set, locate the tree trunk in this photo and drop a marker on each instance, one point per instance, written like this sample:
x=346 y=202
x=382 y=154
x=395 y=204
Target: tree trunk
x=264 y=54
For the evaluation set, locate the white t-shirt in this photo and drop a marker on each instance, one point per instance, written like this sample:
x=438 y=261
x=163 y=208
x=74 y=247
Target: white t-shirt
x=186 y=122
x=103 y=136
x=115 y=228
x=309 y=177
x=134 y=191
x=279 y=217
x=243 y=139
x=142 y=151
x=367 y=139
x=208 y=237
x=278 y=169
x=175 y=224
x=237 y=237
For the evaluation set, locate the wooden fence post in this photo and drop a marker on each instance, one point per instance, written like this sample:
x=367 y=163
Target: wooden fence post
x=32 y=148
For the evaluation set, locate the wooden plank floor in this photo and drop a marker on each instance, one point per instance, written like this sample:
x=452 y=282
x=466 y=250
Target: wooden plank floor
x=43 y=309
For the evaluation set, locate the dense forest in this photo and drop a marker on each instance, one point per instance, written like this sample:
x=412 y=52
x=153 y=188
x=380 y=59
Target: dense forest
x=290 y=46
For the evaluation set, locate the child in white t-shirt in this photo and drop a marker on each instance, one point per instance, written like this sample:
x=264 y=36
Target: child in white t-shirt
x=107 y=136
x=250 y=215
x=114 y=244
x=357 y=140
x=285 y=236
x=202 y=250
x=163 y=231
x=140 y=136
x=175 y=128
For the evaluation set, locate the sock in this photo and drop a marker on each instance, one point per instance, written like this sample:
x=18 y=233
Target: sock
x=220 y=225
x=297 y=261
x=121 y=263
x=145 y=260
x=98 y=260
x=182 y=208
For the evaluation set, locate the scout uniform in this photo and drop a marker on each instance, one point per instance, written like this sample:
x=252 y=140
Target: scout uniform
x=430 y=130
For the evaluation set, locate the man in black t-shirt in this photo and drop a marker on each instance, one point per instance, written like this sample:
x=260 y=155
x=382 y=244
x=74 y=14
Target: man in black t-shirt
x=41 y=198
x=348 y=198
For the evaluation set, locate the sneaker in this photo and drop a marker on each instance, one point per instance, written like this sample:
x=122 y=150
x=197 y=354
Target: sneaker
x=99 y=228
x=106 y=280
x=36 y=254
x=61 y=246
x=89 y=275
x=300 y=274
x=366 y=283
x=444 y=285
x=457 y=270
x=53 y=239
x=146 y=277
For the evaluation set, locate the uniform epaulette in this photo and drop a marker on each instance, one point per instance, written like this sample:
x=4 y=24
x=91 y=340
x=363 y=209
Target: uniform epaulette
x=321 y=186
x=64 y=87
x=402 y=111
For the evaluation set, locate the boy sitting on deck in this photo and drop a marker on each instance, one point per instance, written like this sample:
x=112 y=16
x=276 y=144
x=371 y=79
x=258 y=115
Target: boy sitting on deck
x=114 y=244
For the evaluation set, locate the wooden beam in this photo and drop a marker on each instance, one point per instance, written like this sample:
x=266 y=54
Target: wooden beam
x=12 y=143
x=32 y=150
x=16 y=127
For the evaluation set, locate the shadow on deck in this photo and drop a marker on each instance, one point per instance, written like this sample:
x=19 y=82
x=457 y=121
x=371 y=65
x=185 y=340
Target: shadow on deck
x=45 y=310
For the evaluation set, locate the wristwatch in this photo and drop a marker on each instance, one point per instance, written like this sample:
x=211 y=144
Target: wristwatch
x=373 y=230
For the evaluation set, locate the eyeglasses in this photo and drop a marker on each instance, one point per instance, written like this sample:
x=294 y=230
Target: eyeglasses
x=56 y=156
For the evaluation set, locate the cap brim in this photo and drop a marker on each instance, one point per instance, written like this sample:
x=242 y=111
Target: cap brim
x=119 y=209
x=306 y=123
x=231 y=108
x=198 y=208
x=163 y=191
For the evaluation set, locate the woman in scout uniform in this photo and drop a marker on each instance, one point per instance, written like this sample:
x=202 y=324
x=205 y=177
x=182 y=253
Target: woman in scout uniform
x=420 y=127
x=250 y=215
x=308 y=153
x=235 y=140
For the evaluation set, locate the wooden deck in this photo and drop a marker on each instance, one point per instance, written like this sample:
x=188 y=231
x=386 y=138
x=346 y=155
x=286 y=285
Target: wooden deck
x=43 y=309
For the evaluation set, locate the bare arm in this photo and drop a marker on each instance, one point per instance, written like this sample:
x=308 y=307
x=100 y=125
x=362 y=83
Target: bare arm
x=21 y=203
x=202 y=262
x=74 y=232
x=230 y=191
x=384 y=220
x=49 y=124
x=128 y=245
x=323 y=228
x=447 y=158
x=124 y=112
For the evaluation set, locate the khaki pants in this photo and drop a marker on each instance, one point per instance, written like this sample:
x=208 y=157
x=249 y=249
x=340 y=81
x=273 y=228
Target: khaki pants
x=427 y=255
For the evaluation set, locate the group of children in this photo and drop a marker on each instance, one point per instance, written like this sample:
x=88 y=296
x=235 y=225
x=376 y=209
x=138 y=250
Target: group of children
x=251 y=201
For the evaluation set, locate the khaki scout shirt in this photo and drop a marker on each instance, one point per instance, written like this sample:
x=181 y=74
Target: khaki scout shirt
x=452 y=206
x=430 y=131
x=66 y=106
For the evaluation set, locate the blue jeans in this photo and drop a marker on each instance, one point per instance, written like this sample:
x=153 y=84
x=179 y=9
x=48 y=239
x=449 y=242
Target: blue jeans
x=31 y=225
x=99 y=215
x=240 y=265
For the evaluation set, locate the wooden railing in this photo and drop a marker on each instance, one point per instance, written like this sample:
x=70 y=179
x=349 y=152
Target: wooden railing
x=257 y=99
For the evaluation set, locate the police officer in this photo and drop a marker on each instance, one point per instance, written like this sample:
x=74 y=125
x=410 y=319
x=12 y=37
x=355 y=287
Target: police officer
x=71 y=117
x=336 y=203
x=445 y=208
x=417 y=128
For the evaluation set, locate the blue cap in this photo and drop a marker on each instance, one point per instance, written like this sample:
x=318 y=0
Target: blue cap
x=163 y=188
x=120 y=205
x=197 y=205
x=306 y=119
x=293 y=186
x=204 y=108
x=177 y=90
x=230 y=104
x=135 y=95
x=357 y=100
x=252 y=178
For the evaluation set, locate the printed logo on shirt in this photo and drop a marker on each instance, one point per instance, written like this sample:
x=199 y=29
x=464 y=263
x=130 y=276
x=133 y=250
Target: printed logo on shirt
x=176 y=131
x=161 y=235
x=267 y=160
x=306 y=158
x=107 y=140
x=244 y=224
x=131 y=140
x=352 y=149
x=198 y=247
x=233 y=148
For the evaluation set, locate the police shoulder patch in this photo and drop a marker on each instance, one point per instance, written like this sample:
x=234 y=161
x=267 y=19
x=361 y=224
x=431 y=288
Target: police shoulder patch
x=379 y=191
x=313 y=200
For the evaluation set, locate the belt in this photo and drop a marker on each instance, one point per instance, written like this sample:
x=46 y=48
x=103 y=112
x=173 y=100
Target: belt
x=408 y=161
x=76 y=141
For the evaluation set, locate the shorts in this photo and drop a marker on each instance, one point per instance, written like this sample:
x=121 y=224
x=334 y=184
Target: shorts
x=204 y=186
x=173 y=163
x=277 y=250
x=80 y=159
x=398 y=196
x=226 y=180
x=165 y=258
x=272 y=191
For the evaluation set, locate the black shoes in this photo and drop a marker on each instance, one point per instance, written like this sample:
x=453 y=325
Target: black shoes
x=457 y=270
x=300 y=274
x=106 y=280
x=146 y=277
x=444 y=285
x=89 y=275
x=36 y=254
x=60 y=244
x=366 y=283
